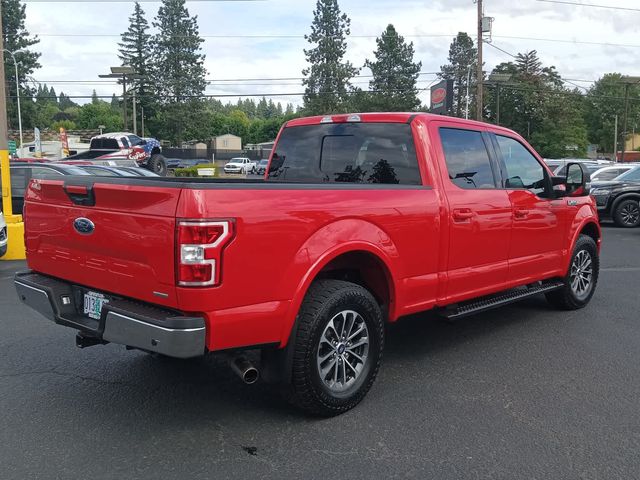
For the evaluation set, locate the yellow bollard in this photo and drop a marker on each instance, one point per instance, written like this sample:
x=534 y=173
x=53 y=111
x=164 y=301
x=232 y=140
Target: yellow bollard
x=15 y=237
x=15 y=225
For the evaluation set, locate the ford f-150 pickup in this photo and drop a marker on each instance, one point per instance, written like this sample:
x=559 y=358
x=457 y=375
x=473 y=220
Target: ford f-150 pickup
x=359 y=220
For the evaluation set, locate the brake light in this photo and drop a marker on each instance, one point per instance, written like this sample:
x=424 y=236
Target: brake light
x=199 y=251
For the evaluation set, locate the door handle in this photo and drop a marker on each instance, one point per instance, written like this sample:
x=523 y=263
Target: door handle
x=462 y=214
x=521 y=213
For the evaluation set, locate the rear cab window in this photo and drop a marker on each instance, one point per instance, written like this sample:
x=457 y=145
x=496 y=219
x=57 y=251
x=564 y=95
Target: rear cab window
x=364 y=153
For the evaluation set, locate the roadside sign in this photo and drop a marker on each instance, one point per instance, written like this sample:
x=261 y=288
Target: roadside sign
x=65 y=142
x=13 y=147
x=442 y=97
x=36 y=134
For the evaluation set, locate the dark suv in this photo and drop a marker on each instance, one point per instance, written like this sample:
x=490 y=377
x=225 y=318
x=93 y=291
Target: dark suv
x=619 y=199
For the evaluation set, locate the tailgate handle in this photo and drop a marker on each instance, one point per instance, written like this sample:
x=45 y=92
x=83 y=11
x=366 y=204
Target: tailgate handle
x=81 y=194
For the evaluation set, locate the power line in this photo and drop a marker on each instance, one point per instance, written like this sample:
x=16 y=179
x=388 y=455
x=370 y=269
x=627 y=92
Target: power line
x=579 y=4
x=498 y=48
x=302 y=36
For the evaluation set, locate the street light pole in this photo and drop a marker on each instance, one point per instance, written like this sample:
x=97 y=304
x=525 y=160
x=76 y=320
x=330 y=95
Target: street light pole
x=15 y=64
x=466 y=110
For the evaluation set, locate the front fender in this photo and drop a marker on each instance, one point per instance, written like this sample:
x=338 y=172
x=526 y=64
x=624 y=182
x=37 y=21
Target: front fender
x=326 y=244
x=585 y=215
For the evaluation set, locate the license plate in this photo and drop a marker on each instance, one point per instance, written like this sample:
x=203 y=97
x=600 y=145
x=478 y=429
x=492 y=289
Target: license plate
x=93 y=303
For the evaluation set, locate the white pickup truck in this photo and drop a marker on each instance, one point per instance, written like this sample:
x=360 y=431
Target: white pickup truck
x=240 y=165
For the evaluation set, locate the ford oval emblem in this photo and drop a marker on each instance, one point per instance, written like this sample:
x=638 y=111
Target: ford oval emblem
x=83 y=226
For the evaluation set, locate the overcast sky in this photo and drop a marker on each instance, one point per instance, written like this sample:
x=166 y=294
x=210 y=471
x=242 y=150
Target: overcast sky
x=79 y=39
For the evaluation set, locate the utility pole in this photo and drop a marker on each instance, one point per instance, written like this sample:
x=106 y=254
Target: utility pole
x=479 y=79
x=7 y=208
x=615 y=140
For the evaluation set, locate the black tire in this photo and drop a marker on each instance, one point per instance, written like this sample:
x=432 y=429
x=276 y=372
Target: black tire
x=627 y=214
x=158 y=164
x=325 y=301
x=566 y=297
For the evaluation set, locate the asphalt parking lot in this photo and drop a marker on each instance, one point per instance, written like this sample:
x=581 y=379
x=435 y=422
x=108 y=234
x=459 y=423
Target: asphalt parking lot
x=521 y=392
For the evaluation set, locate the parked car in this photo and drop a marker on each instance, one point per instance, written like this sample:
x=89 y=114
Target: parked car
x=146 y=152
x=240 y=165
x=22 y=173
x=619 y=199
x=103 y=171
x=137 y=171
x=262 y=166
x=3 y=236
x=368 y=218
x=174 y=163
x=611 y=172
x=561 y=170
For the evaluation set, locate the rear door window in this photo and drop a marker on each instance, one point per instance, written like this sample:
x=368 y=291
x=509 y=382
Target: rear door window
x=467 y=159
x=369 y=153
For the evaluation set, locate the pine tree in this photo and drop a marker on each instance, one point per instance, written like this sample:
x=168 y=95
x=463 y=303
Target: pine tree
x=463 y=57
x=16 y=38
x=135 y=51
x=262 y=108
x=327 y=77
x=178 y=70
x=53 y=97
x=394 y=74
x=94 y=97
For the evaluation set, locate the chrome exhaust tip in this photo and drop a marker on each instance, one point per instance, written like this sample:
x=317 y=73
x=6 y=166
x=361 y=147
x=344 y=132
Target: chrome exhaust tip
x=245 y=370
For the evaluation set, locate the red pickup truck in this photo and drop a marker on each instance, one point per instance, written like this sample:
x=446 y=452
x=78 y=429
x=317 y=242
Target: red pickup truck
x=360 y=220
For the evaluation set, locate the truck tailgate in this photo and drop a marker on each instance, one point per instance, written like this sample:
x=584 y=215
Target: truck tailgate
x=126 y=247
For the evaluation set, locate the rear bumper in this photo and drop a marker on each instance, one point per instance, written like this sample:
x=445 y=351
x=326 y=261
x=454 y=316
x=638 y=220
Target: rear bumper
x=122 y=321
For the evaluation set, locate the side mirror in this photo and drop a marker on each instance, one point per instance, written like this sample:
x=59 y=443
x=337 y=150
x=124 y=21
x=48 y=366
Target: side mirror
x=142 y=142
x=578 y=181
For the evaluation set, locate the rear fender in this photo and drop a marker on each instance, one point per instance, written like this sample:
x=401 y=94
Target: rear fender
x=326 y=244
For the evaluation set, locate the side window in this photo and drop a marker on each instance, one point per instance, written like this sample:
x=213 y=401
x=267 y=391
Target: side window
x=467 y=159
x=523 y=171
x=125 y=142
x=18 y=181
x=40 y=172
x=134 y=140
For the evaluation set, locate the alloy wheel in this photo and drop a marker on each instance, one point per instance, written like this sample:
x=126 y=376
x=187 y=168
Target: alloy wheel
x=581 y=276
x=343 y=351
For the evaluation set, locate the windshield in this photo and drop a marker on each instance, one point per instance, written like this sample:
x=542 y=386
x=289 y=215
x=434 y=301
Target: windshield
x=264 y=163
x=631 y=176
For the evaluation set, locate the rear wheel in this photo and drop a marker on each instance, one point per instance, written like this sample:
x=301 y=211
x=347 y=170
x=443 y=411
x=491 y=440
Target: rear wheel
x=627 y=214
x=158 y=164
x=581 y=279
x=338 y=347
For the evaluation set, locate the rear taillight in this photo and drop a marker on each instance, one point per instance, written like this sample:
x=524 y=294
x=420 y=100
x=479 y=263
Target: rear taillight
x=199 y=251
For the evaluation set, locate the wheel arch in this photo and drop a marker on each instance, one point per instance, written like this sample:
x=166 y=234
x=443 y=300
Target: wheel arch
x=623 y=197
x=372 y=265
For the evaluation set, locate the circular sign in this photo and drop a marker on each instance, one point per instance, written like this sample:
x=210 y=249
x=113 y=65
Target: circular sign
x=438 y=95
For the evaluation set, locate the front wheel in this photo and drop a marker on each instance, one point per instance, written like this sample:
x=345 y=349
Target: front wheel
x=627 y=214
x=158 y=164
x=581 y=279
x=338 y=347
